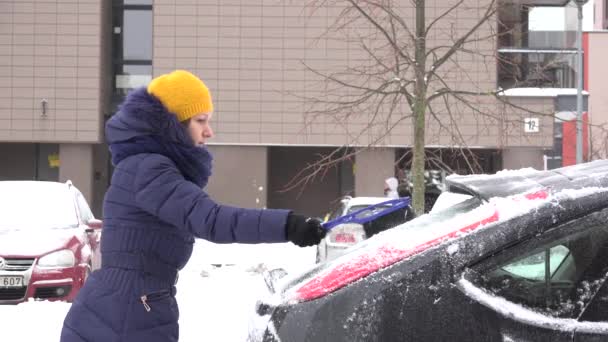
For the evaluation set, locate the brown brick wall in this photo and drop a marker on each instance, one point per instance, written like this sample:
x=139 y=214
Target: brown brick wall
x=251 y=54
x=50 y=50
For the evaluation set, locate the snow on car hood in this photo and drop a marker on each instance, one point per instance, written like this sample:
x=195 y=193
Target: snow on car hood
x=34 y=242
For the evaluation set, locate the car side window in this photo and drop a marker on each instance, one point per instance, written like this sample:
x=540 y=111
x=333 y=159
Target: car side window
x=558 y=278
x=534 y=267
x=83 y=208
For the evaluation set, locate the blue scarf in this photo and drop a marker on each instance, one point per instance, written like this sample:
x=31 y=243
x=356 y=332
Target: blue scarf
x=194 y=162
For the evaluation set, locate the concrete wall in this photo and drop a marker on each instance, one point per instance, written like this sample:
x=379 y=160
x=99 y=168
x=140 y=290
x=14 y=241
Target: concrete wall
x=519 y=157
x=239 y=176
x=598 y=88
x=372 y=167
x=50 y=50
x=26 y=161
x=515 y=110
x=101 y=177
x=316 y=197
x=76 y=165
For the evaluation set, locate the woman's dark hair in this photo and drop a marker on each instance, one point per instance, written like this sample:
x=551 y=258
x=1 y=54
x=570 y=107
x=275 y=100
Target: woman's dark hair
x=185 y=123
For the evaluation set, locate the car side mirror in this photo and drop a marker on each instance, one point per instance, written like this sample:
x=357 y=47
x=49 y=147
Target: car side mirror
x=94 y=224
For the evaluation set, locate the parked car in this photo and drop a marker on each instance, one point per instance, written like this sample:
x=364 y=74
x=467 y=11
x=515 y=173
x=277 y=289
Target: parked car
x=524 y=259
x=346 y=235
x=49 y=241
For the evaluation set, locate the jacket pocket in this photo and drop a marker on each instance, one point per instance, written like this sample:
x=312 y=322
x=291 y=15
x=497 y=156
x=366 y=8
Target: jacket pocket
x=152 y=317
x=150 y=298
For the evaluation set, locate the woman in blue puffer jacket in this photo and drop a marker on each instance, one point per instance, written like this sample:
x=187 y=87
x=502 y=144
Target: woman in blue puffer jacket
x=153 y=210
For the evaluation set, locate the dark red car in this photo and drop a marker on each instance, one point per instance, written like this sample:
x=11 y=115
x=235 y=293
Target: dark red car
x=49 y=241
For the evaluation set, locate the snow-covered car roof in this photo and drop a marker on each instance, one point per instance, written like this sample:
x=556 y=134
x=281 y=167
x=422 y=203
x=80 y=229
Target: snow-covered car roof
x=36 y=203
x=511 y=182
x=37 y=186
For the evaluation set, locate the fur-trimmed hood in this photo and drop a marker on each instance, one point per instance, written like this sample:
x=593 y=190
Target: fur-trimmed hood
x=143 y=125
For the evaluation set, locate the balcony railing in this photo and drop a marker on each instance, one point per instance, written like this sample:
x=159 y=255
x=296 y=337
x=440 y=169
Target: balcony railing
x=552 y=40
x=536 y=68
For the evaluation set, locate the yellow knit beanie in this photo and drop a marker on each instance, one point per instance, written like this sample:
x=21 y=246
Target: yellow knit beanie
x=184 y=94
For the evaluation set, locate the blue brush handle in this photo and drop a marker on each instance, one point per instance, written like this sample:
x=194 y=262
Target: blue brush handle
x=395 y=204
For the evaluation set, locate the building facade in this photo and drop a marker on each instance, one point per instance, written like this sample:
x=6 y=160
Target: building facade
x=596 y=70
x=65 y=65
x=600 y=14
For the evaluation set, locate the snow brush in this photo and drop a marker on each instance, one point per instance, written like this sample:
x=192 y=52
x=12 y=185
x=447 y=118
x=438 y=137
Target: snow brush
x=368 y=214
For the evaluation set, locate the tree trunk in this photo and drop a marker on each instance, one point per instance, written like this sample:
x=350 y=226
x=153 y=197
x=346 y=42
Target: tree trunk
x=419 y=111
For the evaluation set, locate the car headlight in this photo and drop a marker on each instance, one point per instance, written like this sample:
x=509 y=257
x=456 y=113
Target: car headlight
x=62 y=258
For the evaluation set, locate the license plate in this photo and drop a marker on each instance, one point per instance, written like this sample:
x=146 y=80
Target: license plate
x=11 y=281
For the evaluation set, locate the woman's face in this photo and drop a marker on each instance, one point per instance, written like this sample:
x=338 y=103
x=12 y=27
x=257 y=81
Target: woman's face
x=200 y=129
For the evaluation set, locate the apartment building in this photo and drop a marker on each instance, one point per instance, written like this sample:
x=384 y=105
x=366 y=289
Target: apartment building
x=66 y=64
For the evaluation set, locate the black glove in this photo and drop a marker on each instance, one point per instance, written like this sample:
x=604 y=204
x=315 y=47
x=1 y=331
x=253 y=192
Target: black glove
x=304 y=231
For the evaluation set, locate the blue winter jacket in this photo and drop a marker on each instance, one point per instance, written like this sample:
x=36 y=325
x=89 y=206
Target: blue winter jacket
x=153 y=210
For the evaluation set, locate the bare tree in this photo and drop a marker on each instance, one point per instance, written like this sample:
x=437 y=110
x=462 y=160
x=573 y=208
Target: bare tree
x=415 y=76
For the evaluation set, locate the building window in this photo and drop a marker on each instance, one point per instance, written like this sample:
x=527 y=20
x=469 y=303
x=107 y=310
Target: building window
x=137 y=35
x=132 y=50
x=533 y=54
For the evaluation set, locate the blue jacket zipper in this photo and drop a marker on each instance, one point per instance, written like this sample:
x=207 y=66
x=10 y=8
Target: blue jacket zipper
x=152 y=297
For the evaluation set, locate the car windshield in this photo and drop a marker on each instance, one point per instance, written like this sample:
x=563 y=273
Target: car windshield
x=33 y=205
x=427 y=225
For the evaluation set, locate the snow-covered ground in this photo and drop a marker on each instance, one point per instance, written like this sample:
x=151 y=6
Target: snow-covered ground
x=216 y=303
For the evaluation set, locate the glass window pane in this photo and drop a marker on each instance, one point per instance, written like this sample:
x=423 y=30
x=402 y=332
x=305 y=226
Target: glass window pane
x=132 y=81
x=137 y=35
x=527 y=69
x=131 y=69
x=533 y=267
x=134 y=76
x=138 y=2
x=83 y=208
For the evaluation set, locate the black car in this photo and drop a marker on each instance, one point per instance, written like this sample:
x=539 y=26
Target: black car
x=524 y=259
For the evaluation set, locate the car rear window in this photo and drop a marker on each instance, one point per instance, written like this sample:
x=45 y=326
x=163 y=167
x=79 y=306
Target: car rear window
x=427 y=224
x=367 y=213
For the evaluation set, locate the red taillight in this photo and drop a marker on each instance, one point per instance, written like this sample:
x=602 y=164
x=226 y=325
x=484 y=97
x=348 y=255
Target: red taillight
x=344 y=238
x=346 y=234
